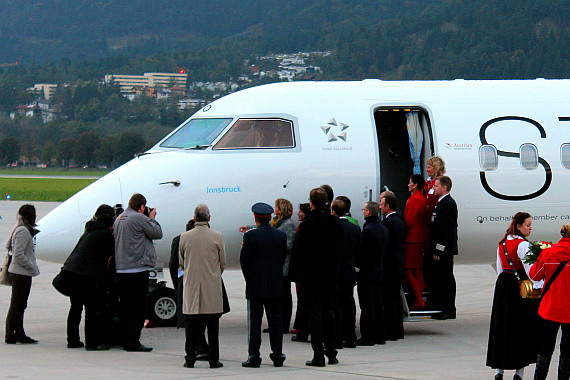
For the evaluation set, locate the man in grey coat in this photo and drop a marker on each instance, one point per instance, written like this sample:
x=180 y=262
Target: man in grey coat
x=135 y=256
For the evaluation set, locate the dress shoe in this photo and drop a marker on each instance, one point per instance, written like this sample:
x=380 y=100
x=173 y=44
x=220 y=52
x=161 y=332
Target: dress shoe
x=252 y=363
x=27 y=340
x=216 y=365
x=188 y=365
x=499 y=376
x=316 y=362
x=333 y=360
x=140 y=348
x=77 y=344
x=266 y=330
x=349 y=344
x=10 y=340
x=361 y=342
x=298 y=338
x=517 y=377
x=277 y=359
x=101 y=347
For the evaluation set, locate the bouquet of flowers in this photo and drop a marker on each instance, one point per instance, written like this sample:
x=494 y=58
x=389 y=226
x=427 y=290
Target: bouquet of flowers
x=534 y=251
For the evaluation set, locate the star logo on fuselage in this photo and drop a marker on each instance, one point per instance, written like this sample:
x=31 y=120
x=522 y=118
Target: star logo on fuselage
x=330 y=127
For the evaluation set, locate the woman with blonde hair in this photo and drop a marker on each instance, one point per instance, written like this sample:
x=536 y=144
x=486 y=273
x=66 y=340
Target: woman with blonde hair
x=283 y=212
x=435 y=167
x=552 y=267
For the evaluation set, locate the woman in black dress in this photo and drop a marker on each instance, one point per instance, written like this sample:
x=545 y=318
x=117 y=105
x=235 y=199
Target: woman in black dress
x=513 y=338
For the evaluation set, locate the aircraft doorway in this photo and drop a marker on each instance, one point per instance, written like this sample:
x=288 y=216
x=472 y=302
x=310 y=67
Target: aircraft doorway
x=404 y=144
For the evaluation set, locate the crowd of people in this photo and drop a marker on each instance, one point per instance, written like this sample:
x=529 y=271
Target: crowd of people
x=326 y=256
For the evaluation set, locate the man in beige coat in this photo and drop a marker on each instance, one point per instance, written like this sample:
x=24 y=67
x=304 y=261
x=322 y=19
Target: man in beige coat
x=203 y=259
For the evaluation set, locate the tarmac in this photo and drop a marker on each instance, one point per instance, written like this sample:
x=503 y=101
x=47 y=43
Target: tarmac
x=451 y=349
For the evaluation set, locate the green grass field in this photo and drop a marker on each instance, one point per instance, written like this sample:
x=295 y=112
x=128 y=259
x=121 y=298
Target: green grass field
x=55 y=172
x=41 y=189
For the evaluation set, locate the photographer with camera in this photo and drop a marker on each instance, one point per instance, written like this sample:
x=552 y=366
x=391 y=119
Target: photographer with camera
x=135 y=256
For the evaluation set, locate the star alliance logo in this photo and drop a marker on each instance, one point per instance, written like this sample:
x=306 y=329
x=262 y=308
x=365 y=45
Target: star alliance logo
x=328 y=130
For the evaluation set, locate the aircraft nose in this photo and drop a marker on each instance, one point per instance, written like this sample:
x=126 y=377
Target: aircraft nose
x=59 y=232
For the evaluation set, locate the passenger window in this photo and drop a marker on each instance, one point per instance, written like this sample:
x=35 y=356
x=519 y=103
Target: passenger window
x=488 y=157
x=529 y=156
x=565 y=155
x=258 y=133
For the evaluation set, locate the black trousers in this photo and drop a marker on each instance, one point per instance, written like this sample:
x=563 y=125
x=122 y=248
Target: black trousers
x=322 y=324
x=393 y=307
x=195 y=328
x=549 y=330
x=273 y=308
x=21 y=286
x=85 y=295
x=442 y=285
x=372 y=324
x=345 y=313
x=287 y=304
x=301 y=315
x=133 y=289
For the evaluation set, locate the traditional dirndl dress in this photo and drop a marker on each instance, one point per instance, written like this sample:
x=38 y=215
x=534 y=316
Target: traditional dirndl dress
x=514 y=332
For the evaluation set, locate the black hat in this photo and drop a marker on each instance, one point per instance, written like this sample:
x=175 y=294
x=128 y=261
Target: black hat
x=262 y=210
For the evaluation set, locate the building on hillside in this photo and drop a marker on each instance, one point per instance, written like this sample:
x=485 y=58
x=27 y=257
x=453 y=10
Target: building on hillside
x=165 y=80
x=45 y=90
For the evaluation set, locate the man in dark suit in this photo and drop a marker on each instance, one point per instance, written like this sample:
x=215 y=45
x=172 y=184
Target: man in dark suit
x=345 y=305
x=370 y=270
x=262 y=257
x=314 y=265
x=443 y=246
x=394 y=270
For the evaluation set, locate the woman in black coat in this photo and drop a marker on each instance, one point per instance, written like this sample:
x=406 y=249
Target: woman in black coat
x=87 y=269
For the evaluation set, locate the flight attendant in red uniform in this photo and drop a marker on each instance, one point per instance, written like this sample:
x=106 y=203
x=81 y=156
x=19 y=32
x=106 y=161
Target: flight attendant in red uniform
x=435 y=167
x=512 y=344
x=416 y=231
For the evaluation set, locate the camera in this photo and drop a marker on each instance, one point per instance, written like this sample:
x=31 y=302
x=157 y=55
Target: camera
x=147 y=210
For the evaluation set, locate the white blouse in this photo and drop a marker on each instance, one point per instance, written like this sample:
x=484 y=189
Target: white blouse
x=522 y=250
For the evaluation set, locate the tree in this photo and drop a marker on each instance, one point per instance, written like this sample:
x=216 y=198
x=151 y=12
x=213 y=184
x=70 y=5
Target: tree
x=48 y=153
x=107 y=152
x=65 y=150
x=129 y=143
x=9 y=150
x=85 y=146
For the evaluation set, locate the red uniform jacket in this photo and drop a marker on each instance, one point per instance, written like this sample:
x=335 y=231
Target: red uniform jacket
x=431 y=198
x=555 y=305
x=415 y=215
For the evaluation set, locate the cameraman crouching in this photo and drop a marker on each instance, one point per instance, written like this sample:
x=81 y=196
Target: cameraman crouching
x=135 y=256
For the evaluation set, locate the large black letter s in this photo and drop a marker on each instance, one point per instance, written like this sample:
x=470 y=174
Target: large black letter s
x=541 y=161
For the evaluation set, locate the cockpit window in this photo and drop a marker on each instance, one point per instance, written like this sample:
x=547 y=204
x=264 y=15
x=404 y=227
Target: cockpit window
x=258 y=133
x=196 y=133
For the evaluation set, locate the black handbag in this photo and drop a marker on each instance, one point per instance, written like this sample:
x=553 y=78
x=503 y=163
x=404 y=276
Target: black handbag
x=63 y=283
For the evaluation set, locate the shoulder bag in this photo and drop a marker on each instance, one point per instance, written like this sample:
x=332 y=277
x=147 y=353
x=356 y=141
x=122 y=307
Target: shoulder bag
x=526 y=288
x=4 y=275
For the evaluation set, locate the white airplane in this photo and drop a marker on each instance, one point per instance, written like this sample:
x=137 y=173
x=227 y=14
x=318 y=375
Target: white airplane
x=506 y=145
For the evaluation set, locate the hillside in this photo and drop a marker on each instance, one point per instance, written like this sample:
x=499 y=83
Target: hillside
x=413 y=39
